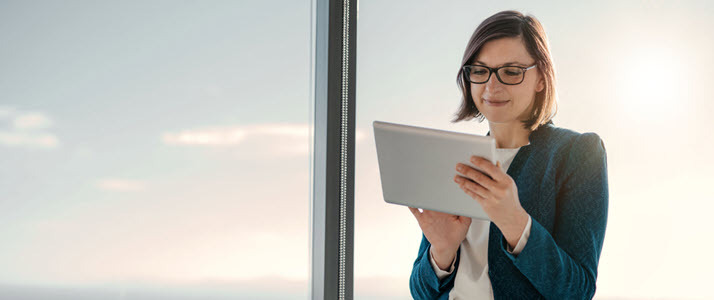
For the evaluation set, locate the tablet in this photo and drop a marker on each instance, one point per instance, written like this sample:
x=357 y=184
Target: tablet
x=417 y=166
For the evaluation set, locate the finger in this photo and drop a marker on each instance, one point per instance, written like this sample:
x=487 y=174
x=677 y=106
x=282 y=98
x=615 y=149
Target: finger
x=415 y=212
x=477 y=189
x=475 y=196
x=462 y=184
x=489 y=168
x=465 y=220
x=477 y=176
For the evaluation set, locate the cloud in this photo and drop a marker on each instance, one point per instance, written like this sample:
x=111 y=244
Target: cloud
x=206 y=137
x=231 y=136
x=268 y=139
x=26 y=129
x=122 y=185
x=35 y=140
x=32 y=120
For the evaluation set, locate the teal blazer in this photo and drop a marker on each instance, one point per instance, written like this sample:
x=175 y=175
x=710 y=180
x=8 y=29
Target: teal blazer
x=562 y=183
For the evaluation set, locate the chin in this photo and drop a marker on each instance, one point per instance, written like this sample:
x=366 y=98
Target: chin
x=498 y=118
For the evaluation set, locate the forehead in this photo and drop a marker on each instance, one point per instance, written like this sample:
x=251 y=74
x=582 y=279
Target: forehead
x=504 y=50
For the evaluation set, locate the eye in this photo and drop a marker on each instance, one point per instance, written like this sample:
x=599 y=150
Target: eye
x=512 y=72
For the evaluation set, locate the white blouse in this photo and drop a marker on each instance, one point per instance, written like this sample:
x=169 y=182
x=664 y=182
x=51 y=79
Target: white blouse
x=472 y=280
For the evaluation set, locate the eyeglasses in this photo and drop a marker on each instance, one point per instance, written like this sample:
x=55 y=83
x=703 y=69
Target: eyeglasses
x=510 y=75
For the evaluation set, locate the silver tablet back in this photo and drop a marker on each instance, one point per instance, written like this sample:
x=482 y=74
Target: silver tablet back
x=417 y=166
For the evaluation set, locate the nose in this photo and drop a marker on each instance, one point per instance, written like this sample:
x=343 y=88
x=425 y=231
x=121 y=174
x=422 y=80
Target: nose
x=493 y=84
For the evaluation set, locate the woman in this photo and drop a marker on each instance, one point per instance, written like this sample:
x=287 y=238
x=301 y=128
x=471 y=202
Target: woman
x=547 y=195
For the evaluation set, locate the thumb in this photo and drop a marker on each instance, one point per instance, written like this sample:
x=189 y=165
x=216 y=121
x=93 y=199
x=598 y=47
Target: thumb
x=415 y=212
x=466 y=221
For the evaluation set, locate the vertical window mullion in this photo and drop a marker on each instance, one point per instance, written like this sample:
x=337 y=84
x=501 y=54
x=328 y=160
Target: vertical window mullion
x=332 y=206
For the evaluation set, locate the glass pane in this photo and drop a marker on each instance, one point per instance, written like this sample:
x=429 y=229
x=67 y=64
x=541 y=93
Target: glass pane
x=609 y=57
x=148 y=153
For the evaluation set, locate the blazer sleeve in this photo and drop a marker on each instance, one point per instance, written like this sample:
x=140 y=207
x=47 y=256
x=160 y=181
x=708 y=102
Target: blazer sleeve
x=563 y=264
x=423 y=283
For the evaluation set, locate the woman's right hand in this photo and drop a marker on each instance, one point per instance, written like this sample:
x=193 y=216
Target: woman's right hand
x=444 y=231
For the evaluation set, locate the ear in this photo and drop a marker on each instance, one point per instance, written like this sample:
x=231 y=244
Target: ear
x=540 y=85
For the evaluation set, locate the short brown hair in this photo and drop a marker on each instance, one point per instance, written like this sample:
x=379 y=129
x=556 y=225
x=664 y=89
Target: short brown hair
x=512 y=24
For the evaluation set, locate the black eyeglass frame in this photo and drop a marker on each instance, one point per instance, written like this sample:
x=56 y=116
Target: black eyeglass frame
x=465 y=69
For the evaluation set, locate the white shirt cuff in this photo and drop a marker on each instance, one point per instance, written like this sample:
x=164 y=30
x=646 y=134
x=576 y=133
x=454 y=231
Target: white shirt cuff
x=522 y=241
x=441 y=274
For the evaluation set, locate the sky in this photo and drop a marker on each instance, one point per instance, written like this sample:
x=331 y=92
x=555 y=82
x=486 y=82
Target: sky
x=162 y=147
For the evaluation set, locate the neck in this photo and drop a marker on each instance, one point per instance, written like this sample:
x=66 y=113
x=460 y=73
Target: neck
x=509 y=135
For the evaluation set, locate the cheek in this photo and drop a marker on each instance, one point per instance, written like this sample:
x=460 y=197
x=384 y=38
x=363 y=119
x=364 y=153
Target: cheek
x=529 y=89
x=476 y=91
x=524 y=94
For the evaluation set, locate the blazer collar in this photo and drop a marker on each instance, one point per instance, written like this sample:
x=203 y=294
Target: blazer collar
x=537 y=134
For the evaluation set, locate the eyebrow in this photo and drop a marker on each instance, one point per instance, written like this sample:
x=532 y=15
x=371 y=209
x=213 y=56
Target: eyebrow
x=504 y=64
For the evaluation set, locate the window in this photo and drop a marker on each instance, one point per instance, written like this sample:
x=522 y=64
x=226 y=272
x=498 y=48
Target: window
x=154 y=150
x=610 y=58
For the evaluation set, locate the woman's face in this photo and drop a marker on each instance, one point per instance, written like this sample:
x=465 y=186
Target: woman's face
x=516 y=101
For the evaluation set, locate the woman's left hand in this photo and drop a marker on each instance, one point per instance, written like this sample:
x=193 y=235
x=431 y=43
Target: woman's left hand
x=498 y=195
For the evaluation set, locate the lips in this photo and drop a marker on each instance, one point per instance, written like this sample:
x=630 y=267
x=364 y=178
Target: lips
x=495 y=102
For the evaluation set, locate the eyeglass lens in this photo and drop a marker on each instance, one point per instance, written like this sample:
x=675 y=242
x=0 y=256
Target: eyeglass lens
x=507 y=75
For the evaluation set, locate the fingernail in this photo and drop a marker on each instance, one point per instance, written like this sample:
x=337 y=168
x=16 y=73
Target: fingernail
x=460 y=167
